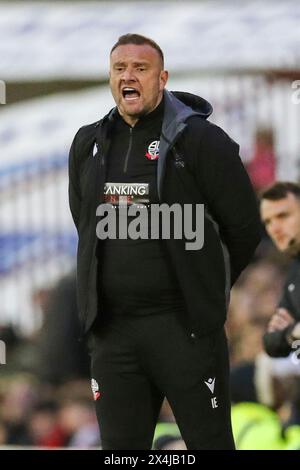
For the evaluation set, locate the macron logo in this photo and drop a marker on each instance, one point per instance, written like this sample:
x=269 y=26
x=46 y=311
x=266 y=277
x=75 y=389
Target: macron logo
x=95 y=149
x=211 y=384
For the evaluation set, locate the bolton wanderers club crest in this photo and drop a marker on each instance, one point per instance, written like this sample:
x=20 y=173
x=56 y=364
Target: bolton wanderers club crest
x=95 y=389
x=153 y=150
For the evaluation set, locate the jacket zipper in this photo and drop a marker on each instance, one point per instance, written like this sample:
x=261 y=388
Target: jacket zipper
x=128 y=151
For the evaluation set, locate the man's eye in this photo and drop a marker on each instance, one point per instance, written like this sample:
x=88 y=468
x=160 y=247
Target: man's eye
x=141 y=69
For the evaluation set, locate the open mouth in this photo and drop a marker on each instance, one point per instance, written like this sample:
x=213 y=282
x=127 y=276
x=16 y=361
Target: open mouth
x=130 y=93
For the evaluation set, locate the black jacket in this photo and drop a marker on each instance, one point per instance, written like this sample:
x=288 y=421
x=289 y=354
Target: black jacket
x=198 y=163
x=275 y=343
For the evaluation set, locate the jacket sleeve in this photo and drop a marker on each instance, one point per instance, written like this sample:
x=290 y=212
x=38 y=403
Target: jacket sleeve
x=230 y=196
x=275 y=343
x=74 y=184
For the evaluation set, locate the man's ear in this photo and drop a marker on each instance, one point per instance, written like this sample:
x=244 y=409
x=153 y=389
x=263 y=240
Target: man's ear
x=164 y=75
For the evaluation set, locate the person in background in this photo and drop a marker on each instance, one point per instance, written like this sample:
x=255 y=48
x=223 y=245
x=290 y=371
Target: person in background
x=262 y=167
x=280 y=213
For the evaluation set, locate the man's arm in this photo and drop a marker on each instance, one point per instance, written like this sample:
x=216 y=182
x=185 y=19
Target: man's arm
x=277 y=339
x=230 y=196
x=74 y=186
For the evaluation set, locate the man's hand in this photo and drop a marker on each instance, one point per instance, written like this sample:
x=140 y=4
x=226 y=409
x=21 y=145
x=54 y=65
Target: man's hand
x=280 y=320
x=295 y=333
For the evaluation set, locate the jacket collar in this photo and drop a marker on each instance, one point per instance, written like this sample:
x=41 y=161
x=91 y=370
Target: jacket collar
x=174 y=122
x=175 y=116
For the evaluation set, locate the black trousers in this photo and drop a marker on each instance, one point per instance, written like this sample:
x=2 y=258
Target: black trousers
x=136 y=361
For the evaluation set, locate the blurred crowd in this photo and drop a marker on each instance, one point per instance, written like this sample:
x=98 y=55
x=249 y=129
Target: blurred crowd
x=45 y=397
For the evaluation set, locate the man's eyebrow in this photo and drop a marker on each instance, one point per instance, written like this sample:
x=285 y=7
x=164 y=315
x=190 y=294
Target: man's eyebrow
x=136 y=64
x=278 y=214
x=118 y=64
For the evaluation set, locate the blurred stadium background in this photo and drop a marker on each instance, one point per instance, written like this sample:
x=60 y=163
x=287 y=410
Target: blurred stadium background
x=244 y=58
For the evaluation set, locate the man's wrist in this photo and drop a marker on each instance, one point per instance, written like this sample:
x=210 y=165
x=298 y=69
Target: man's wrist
x=293 y=333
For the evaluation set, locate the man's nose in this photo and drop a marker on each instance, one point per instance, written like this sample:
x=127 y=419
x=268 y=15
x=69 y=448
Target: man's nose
x=275 y=227
x=128 y=75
